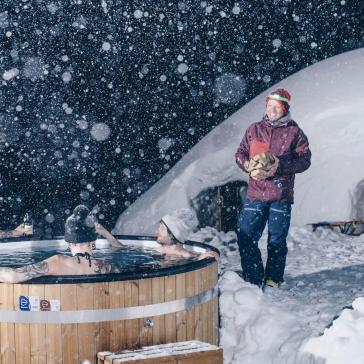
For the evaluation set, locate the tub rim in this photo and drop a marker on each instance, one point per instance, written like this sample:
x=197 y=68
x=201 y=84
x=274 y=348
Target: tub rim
x=140 y=273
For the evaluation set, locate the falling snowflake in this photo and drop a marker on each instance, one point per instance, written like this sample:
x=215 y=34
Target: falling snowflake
x=34 y=68
x=165 y=143
x=236 y=10
x=106 y=46
x=49 y=218
x=4 y=20
x=277 y=43
x=52 y=8
x=8 y=75
x=182 y=68
x=138 y=14
x=100 y=132
x=66 y=77
x=229 y=89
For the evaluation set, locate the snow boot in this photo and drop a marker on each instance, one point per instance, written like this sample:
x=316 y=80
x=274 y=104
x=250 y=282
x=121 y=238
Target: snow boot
x=269 y=283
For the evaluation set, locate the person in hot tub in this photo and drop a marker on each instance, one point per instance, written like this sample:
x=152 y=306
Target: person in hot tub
x=20 y=230
x=172 y=232
x=80 y=234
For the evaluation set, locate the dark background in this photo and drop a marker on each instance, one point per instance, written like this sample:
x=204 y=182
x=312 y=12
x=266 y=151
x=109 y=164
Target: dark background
x=109 y=95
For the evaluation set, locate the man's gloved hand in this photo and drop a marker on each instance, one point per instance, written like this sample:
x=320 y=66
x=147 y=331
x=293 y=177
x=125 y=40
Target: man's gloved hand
x=262 y=166
x=258 y=174
x=273 y=167
x=264 y=159
x=251 y=165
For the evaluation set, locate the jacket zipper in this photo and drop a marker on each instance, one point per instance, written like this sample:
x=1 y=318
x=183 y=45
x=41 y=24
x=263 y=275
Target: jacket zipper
x=270 y=139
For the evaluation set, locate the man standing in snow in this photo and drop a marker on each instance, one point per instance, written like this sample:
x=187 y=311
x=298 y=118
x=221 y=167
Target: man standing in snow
x=272 y=151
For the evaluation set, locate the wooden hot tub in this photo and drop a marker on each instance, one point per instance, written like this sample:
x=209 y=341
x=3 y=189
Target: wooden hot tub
x=74 y=317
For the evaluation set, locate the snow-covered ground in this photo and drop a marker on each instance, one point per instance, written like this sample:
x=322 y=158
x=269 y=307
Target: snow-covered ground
x=324 y=274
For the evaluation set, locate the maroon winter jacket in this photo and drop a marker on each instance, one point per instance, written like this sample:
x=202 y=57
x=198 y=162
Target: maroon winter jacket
x=286 y=141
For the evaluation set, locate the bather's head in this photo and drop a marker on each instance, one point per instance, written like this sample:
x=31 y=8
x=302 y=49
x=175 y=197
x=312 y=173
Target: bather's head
x=172 y=230
x=79 y=231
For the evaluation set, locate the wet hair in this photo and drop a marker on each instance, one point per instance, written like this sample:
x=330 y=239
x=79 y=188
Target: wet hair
x=82 y=211
x=80 y=226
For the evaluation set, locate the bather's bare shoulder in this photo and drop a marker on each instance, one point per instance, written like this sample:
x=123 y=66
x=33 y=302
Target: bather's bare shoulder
x=56 y=262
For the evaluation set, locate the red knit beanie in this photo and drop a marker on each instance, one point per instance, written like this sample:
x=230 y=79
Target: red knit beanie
x=281 y=95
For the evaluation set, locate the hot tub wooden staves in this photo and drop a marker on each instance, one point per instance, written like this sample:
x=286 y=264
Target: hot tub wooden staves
x=86 y=318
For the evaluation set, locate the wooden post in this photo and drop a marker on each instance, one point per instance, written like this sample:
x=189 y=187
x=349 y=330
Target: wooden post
x=159 y=330
x=38 y=339
x=198 y=309
x=170 y=319
x=53 y=331
x=117 y=333
x=69 y=331
x=85 y=301
x=181 y=316
x=102 y=301
x=7 y=330
x=132 y=326
x=145 y=298
x=22 y=334
x=190 y=314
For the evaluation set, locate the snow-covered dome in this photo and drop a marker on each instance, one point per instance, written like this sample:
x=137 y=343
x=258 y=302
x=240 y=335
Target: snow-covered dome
x=327 y=100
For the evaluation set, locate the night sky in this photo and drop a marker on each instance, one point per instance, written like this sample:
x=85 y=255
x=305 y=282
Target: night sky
x=99 y=99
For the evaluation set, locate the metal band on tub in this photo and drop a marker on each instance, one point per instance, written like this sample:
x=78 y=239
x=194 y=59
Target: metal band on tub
x=112 y=314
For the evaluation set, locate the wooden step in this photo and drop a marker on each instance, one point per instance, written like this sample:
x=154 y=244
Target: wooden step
x=186 y=352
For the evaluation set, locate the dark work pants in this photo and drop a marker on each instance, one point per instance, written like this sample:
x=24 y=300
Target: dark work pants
x=253 y=218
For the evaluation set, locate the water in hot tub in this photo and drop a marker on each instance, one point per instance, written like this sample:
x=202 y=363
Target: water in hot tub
x=130 y=257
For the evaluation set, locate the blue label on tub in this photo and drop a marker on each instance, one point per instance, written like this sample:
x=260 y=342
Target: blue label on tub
x=24 y=303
